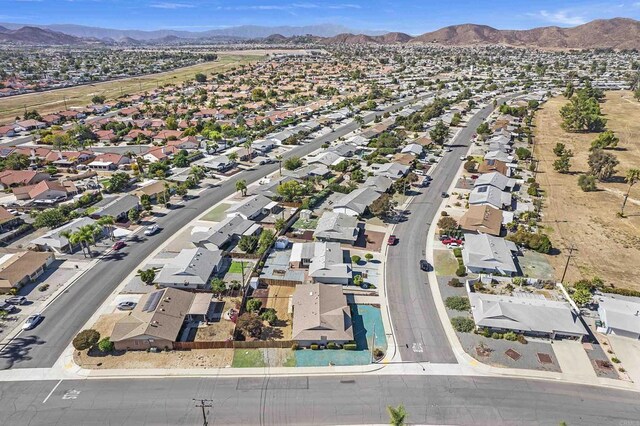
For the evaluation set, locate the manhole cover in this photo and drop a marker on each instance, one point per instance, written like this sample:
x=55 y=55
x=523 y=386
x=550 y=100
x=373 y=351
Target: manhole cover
x=514 y=355
x=544 y=358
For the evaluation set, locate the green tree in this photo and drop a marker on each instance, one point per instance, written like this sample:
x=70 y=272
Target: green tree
x=109 y=223
x=523 y=153
x=86 y=339
x=632 y=177
x=587 y=183
x=241 y=187
x=200 y=78
x=368 y=256
x=254 y=305
x=134 y=215
x=266 y=240
x=290 y=190
x=171 y=123
x=605 y=140
x=382 y=206
x=292 y=163
x=559 y=149
x=106 y=345
x=280 y=224
x=270 y=316
x=602 y=164
x=483 y=130
x=98 y=99
x=397 y=415
x=218 y=286
x=15 y=161
x=439 y=133
x=50 y=218
x=563 y=164
x=248 y=243
x=147 y=276
x=457 y=303
x=582 y=114
x=463 y=324
x=118 y=182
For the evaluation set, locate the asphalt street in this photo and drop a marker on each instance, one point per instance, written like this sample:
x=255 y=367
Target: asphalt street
x=417 y=327
x=65 y=317
x=313 y=401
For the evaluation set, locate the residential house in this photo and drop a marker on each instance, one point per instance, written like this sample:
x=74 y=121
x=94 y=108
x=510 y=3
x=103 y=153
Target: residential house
x=109 y=161
x=220 y=164
x=153 y=190
x=356 y=202
x=116 y=206
x=7 y=131
x=489 y=165
x=486 y=254
x=337 y=227
x=54 y=240
x=13 y=178
x=253 y=207
x=391 y=170
x=482 y=219
x=45 y=192
x=619 y=315
x=157 y=319
x=495 y=179
x=18 y=269
x=328 y=158
x=530 y=316
x=413 y=149
x=7 y=220
x=326 y=262
x=224 y=233
x=490 y=195
x=380 y=184
x=321 y=315
x=188 y=143
x=190 y=269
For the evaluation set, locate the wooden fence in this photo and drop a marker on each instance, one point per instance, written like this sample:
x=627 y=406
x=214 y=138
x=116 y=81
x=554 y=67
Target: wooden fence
x=282 y=344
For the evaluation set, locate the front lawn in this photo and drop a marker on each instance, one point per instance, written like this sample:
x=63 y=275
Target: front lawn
x=247 y=358
x=236 y=267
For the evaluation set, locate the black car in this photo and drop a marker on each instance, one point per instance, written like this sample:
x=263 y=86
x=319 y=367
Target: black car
x=424 y=265
x=444 y=195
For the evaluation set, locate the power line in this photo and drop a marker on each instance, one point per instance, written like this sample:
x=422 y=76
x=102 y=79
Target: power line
x=204 y=403
x=566 y=266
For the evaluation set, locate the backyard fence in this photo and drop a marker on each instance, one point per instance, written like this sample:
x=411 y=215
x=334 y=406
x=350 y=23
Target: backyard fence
x=281 y=344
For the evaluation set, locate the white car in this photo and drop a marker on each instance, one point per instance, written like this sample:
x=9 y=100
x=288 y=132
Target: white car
x=151 y=230
x=31 y=321
x=463 y=158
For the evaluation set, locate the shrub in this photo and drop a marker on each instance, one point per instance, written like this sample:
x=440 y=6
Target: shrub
x=496 y=335
x=615 y=360
x=349 y=347
x=269 y=315
x=86 y=339
x=314 y=347
x=43 y=287
x=332 y=345
x=522 y=339
x=461 y=271
x=295 y=346
x=378 y=353
x=457 y=252
x=369 y=257
x=105 y=345
x=463 y=324
x=458 y=303
x=355 y=259
x=358 y=280
x=454 y=282
x=254 y=305
x=622 y=370
x=510 y=336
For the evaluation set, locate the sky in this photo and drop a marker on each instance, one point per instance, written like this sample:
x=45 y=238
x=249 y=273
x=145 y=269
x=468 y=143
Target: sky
x=410 y=16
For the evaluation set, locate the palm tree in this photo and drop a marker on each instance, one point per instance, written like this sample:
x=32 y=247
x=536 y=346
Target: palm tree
x=241 y=187
x=397 y=416
x=68 y=235
x=279 y=158
x=632 y=177
x=108 y=222
x=247 y=146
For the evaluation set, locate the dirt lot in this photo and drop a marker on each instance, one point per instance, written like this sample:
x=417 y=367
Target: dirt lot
x=607 y=246
x=279 y=300
x=53 y=101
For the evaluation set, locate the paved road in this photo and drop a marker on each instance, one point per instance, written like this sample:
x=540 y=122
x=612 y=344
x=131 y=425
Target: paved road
x=64 y=318
x=416 y=324
x=314 y=401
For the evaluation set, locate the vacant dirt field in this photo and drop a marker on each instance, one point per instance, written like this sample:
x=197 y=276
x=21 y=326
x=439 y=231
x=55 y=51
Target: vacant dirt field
x=607 y=246
x=196 y=358
x=54 y=100
x=279 y=297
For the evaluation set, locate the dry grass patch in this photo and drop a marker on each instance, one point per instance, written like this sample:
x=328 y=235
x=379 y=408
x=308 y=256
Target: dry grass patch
x=279 y=300
x=607 y=246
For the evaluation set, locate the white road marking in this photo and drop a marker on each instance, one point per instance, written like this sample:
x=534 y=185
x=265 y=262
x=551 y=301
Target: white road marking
x=71 y=394
x=417 y=347
x=52 y=391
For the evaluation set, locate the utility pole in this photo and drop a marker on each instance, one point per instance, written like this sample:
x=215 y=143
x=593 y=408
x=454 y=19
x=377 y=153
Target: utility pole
x=566 y=266
x=64 y=98
x=204 y=403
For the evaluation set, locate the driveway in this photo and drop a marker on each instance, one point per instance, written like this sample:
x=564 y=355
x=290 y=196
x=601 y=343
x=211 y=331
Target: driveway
x=573 y=359
x=628 y=352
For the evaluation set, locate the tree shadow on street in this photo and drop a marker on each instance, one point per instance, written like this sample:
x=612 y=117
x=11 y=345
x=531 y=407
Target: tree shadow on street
x=18 y=351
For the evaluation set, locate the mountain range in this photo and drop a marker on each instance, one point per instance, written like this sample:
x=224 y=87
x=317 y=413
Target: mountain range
x=617 y=33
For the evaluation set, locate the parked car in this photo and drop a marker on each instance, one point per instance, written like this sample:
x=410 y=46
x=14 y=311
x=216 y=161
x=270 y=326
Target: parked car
x=424 y=265
x=119 y=245
x=16 y=300
x=7 y=307
x=474 y=177
x=463 y=158
x=444 y=194
x=151 y=229
x=126 y=306
x=392 y=240
x=453 y=245
x=449 y=241
x=31 y=321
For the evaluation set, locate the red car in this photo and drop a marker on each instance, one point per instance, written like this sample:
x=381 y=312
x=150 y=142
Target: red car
x=392 y=240
x=118 y=245
x=448 y=241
